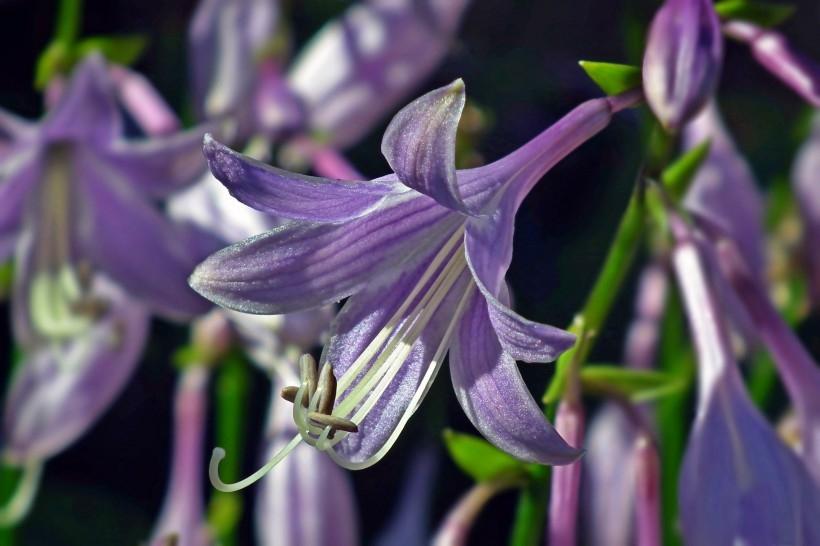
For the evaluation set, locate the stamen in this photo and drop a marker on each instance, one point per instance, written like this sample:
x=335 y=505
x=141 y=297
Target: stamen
x=332 y=421
x=22 y=499
x=289 y=394
x=219 y=454
x=307 y=373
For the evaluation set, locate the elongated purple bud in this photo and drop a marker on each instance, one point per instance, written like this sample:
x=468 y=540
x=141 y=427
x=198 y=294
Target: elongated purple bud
x=774 y=52
x=682 y=62
x=647 y=493
x=566 y=480
x=799 y=371
x=143 y=102
x=642 y=336
x=183 y=513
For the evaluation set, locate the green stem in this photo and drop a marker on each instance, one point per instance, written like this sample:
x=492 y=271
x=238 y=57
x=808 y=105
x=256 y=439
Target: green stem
x=232 y=385
x=69 y=17
x=9 y=475
x=532 y=506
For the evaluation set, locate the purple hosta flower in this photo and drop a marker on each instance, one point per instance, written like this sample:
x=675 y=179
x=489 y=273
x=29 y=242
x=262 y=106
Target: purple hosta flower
x=724 y=192
x=358 y=67
x=806 y=184
x=306 y=500
x=739 y=484
x=143 y=102
x=647 y=492
x=93 y=254
x=421 y=254
x=183 y=512
x=798 y=370
x=778 y=56
x=681 y=66
x=226 y=41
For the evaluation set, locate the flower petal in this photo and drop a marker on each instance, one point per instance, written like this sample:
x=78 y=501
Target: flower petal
x=13 y=130
x=488 y=243
x=87 y=110
x=60 y=391
x=363 y=317
x=19 y=174
x=138 y=247
x=290 y=195
x=301 y=265
x=420 y=144
x=161 y=165
x=490 y=389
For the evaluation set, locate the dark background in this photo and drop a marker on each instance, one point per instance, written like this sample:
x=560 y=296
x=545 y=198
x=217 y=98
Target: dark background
x=519 y=60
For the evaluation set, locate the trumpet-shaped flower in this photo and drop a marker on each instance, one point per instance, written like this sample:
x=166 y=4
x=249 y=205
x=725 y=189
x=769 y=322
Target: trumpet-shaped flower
x=806 y=184
x=93 y=257
x=684 y=52
x=739 y=484
x=422 y=255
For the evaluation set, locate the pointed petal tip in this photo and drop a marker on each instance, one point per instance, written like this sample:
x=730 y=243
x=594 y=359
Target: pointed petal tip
x=457 y=86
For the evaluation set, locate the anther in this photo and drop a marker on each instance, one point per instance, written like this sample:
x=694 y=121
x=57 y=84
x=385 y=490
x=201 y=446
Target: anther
x=307 y=373
x=289 y=394
x=85 y=274
x=336 y=423
x=327 y=382
x=90 y=307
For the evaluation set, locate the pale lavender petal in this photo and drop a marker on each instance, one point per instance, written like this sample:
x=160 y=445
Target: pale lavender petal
x=362 y=318
x=159 y=166
x=457 y=525
x=61 y=390
x=798 y=370
x=143 y=102
x=774 y=51
x=289 y=195
x=806 y=185
x=565 y=484
x=183 y=510
x=13 y=131
x=609 y=474
x=643 y=334
x=19 y=175
x=300 y=265
x=224 y=40
x=356 y=69
x=724 y=191
x=648 y=493
x=276 y=109
x=87 y=110
x=739 y=483
x=306 y=499
x=138 y=247
x=684 y=52
x=490 y=389
x=420 y=144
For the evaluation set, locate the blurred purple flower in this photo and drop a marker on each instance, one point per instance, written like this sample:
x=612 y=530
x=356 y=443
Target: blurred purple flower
x=774 y=52
x=307 y=500
x=806 y=185
x=76 y=206
x=183 y=512
x=455 y=529
x=566 y=480
x=798 y=370
x=647 y=492
x=739 y=482
x=682 y=62
x=724 y=192
x=360 y=66
x=422 y=255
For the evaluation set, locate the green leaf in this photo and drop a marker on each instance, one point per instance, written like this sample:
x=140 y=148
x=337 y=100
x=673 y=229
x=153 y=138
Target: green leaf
x=479 y=459
x=55 y=59
x=761 y=13
x=124 y=50
x=634 y=385
x=612 y=78
x=679 y=175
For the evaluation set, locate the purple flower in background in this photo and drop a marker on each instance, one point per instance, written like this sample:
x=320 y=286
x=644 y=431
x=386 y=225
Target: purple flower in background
x=183 y=512
x=93 y=256
x=307 y=499
x=724 y=192
x=566 y=480
x=739 y=483
x=681 y=66
x=422 y=254
x=806 y=185
x=798 y=370
x=358 y=67
x=774 y=52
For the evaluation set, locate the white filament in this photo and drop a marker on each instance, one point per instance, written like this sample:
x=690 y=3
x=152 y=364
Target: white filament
x=21 y=501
